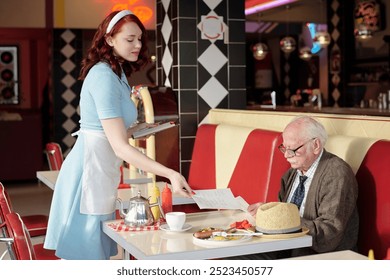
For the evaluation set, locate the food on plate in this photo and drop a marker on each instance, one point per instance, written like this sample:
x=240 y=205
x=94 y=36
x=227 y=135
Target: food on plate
x=205 y=233
x=244 y=224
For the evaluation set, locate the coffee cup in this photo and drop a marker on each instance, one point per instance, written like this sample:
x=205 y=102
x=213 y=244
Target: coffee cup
x=175 y=220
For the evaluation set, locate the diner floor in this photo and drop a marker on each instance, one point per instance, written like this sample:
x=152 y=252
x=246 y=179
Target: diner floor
x=29 y=198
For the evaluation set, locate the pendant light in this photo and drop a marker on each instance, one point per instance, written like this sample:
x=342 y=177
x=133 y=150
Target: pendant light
x=288 y=43
x=322 y=36
x=305 y=53
x=259 y=50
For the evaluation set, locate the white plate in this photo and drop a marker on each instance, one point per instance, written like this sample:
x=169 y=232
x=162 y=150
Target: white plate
x=217 y=243
x=165 y=227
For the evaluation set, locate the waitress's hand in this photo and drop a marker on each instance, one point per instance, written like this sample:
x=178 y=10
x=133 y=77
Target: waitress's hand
x=180 y=185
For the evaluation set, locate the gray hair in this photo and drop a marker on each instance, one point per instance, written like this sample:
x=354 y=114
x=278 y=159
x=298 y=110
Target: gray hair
x=311 y=128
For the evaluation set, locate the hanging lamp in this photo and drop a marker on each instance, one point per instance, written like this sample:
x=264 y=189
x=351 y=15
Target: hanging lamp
x=322 y=36
x=305 y=53
x=288 y=43
x=259 y=50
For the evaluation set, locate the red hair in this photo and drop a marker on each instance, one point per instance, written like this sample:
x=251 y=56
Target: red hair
x=101 y=51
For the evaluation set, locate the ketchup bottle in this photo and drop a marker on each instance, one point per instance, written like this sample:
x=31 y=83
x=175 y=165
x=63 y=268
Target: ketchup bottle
x=166 y=199
x=121 y=184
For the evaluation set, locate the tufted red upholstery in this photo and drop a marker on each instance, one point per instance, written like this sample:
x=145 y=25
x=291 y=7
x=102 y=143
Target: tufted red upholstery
x=35 y=224
x=22 y=245
x=374 y=200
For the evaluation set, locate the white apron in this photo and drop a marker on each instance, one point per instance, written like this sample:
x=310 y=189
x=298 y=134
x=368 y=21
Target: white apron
x=101 y=174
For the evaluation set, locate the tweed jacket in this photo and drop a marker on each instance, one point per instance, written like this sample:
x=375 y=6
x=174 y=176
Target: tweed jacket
x=330 y=209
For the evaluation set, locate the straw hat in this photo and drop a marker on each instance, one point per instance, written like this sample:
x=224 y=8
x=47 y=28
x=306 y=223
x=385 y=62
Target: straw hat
x=279 y=220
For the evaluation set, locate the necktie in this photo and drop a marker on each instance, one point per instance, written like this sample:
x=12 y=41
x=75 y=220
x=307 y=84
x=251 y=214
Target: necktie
x=299 y=193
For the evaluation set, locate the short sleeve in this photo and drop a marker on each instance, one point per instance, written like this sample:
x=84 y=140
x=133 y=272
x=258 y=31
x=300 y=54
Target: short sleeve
x=105 y=91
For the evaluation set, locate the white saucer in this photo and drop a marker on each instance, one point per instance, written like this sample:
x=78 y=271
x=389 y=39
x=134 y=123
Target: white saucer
x=165 y=227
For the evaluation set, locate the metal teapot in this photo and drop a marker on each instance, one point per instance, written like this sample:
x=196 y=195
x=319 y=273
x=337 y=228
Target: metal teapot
x=139 y=212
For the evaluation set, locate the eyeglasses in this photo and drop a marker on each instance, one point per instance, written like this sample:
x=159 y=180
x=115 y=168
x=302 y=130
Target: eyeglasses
x=292 y=152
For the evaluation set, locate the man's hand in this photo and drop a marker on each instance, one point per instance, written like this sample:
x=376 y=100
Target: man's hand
x=252 y=209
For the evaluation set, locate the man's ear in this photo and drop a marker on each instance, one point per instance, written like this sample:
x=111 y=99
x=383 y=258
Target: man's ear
x=109 y=41
x=317 y=145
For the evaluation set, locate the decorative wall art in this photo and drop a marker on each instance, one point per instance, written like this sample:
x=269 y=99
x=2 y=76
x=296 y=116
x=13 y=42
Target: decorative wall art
x=9 y=77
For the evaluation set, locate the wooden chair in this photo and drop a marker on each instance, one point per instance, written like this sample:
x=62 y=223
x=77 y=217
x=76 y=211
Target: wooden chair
x=19 y=241
x=54 y=155
x=35 y=224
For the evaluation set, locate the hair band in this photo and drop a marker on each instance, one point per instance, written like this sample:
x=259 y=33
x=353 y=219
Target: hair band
x=117 y=18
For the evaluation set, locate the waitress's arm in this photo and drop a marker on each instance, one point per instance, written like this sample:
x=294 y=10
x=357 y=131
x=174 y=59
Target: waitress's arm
x=116 y=133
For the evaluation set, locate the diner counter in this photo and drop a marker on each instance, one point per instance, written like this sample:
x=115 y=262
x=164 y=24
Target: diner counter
x=325 y=110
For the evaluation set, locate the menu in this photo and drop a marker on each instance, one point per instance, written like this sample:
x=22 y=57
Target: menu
x=219 y=199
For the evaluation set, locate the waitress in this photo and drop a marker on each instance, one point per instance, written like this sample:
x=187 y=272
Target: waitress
x=86 y=188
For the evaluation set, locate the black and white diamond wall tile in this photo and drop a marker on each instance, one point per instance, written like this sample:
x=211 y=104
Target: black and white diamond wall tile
x=67 y=53
x=334 y=26
x=195 y=58
x=166 y=32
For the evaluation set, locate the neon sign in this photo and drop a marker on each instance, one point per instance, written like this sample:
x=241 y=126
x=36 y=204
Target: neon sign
x=138 y=7
x=316 y=46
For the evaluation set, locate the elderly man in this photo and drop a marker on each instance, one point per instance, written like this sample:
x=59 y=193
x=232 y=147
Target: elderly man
x=322 y=185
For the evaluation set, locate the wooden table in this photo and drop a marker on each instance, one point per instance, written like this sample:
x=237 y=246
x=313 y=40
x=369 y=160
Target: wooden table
x=159 y=244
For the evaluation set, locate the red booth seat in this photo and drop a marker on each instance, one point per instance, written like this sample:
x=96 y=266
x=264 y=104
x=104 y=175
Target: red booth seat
x=244 y=159
x=374 y=200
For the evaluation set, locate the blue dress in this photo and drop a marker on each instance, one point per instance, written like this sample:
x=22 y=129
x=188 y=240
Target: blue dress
x=74 y=235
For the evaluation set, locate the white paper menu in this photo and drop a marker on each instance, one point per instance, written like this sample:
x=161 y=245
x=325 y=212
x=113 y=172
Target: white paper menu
x=219 y=199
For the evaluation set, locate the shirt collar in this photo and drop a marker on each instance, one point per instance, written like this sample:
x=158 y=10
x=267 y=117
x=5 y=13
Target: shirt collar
x=313 y=167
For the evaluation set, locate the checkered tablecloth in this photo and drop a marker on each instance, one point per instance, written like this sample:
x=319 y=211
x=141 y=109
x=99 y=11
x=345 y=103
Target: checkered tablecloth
x=121 y=226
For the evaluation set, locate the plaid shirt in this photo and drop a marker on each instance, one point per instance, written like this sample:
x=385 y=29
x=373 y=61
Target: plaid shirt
x=309 y=174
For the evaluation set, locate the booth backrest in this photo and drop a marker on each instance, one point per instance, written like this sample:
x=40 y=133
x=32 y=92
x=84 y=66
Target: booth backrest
x=245 y=160
x=374 y=200
x=202 y=169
